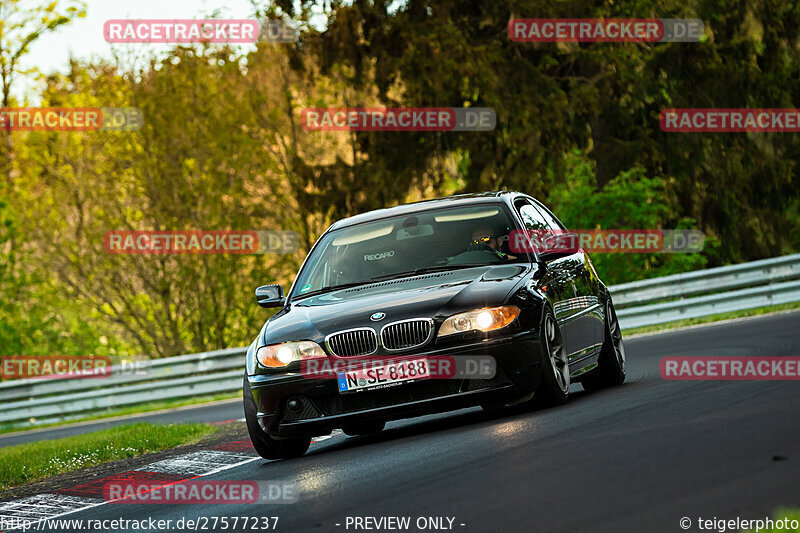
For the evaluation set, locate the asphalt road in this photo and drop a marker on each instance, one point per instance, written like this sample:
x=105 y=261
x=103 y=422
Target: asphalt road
x=636 y=458
x=215 y=412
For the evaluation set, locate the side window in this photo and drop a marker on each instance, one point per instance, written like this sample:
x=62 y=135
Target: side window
x=531 y=216
x=550 y=219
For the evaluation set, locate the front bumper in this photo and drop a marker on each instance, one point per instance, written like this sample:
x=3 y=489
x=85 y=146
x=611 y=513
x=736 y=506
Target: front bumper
x=323 y=408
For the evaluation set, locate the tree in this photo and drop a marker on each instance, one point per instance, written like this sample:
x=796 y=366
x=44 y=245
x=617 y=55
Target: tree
x=603 y=99
x=19 y=28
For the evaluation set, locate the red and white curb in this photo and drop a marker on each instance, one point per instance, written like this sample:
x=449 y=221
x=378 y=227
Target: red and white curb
x=178 y=469
x=44 y=506
x=199 y=464
x=193 y=465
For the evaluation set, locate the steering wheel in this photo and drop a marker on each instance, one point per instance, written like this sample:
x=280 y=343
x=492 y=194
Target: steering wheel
x=479 y=256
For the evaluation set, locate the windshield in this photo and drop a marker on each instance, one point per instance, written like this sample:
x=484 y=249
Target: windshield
x=438 y=239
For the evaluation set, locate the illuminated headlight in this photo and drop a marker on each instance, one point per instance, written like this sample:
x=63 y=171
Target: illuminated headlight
x=488 y=319
x=280 y=355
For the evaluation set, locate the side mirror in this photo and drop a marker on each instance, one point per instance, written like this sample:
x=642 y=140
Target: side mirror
x=548 y=243
x=561 y=244
x=270 y=296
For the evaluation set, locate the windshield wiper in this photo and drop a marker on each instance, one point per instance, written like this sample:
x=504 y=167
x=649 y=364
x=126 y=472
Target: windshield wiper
x=426 y=270
x=329 y=289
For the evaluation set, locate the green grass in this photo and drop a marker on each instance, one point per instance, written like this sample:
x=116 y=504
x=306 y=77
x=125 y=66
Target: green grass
x=781 y=514
x=25 y=463
x=712 y=318
x=123 y=411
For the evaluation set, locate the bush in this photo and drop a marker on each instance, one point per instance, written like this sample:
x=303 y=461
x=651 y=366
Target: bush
x=629 y=201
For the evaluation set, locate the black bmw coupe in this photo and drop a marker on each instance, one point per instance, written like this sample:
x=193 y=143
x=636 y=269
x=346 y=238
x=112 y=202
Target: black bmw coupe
x=408 y=285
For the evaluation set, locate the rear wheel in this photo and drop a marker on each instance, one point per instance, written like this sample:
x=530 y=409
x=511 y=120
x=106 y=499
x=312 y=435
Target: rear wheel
x=554 y=387
x=363 y=428
x=610 y=369
x=266 y=446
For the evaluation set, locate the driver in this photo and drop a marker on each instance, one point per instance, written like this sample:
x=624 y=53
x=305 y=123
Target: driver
x=484 y=238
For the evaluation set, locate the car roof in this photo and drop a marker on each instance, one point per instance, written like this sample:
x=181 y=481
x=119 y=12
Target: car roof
x=424 y=205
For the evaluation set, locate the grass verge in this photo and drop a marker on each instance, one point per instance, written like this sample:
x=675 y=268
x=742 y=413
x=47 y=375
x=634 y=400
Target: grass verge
x=712 y=318
x=124 y=411
x=31 y=462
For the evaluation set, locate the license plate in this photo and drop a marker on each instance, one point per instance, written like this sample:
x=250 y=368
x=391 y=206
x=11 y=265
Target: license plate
x=383 y=376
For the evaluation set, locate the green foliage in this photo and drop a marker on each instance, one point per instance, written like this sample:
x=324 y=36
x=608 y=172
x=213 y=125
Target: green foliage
x=603 y=99
x=222 y=148
x=177 y=173
x=29 y=322
x=629 y=201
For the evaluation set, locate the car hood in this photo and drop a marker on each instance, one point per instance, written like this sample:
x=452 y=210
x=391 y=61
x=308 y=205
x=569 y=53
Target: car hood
x=436 y=295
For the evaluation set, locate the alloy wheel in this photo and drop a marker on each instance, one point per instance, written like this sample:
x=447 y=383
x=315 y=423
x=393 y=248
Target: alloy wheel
x=557 y=353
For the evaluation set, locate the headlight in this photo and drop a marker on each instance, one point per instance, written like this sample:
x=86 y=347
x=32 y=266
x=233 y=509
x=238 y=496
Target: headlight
x=488 y=319
x=280 y=355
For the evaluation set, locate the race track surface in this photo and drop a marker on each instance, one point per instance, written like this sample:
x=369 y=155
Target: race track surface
x=215 y=412
x=635 y=458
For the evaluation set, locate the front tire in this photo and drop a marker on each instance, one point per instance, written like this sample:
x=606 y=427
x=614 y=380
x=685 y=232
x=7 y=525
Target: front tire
x=266 y=446
x=611 y=362
x=554 y=386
